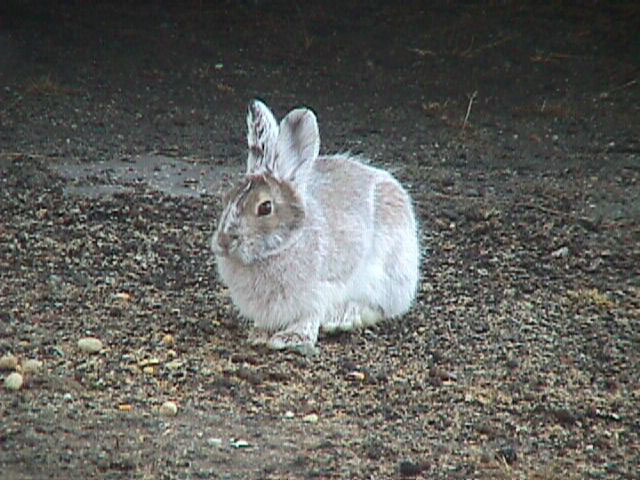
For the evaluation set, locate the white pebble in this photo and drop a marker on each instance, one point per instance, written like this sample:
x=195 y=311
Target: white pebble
x=90 y=345
x=169 y=409
x=289 y=414
x=214 y=442
x=240 y=443
x=561 y=252
x=311 y=418
x=13 y=381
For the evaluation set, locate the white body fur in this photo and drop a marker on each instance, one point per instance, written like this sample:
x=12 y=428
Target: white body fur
x=351 y=259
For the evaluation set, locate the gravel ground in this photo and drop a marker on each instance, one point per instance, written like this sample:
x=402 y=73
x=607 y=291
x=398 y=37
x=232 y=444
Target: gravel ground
x=515 y=127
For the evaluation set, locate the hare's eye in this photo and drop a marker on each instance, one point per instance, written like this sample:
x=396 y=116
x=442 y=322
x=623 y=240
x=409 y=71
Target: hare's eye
x=264 y=208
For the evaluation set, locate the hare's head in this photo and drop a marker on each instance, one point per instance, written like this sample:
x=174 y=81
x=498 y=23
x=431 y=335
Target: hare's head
x=266 y=211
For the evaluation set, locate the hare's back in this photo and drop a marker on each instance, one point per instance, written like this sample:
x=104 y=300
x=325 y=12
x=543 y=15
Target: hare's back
x=343 y=190
x=342 y=178
x=365 y=213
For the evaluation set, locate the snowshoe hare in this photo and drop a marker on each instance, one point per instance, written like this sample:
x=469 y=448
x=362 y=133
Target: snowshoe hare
x=308 y=242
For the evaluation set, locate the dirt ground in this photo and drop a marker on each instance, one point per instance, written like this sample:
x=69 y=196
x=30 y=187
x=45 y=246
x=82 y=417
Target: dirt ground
x=515 y=126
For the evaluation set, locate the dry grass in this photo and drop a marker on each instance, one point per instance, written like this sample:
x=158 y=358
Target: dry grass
x=46 y=85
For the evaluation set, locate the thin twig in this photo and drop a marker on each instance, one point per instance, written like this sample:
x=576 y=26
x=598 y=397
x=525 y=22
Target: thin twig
x=466 y=117
x=626 y=85
x=470 y=51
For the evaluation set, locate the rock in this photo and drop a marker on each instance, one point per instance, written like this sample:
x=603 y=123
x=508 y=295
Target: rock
x=289 y=414
x=169 y=409
x=13 y=381
x=311 y=418
x=508 y=454
x=564 y=417
x=561 y=252
x=90 y=345
x=31 y=366
x=168 y=340
x=410 y=469
x=8 y=362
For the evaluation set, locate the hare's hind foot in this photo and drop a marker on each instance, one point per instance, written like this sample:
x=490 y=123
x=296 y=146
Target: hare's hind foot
x=351 y=315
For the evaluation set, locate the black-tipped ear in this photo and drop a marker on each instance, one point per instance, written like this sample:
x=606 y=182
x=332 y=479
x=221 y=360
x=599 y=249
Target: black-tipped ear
x=262 y=132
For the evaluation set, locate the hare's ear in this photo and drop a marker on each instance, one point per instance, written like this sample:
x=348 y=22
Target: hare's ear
x=262 y=132
x=298 y=145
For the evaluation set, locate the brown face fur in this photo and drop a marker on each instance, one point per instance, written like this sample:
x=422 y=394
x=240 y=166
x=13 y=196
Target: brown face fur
x=260 y=235
x=286 y=211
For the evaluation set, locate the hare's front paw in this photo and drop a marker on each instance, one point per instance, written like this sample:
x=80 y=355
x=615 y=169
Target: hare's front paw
x=295 y=341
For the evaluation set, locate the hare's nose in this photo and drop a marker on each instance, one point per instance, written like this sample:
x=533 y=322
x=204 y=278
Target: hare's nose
x=225 y=239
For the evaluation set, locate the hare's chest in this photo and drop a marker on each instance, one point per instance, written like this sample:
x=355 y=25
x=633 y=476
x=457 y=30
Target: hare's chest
x=272 y=294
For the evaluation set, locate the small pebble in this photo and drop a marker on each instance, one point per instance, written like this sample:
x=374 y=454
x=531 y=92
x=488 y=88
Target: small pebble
x=214 y=442
x=90 y=345
x=169 y=409
x=149 y=361
x=240 y=443
x=289 y=414
x=168 y=340
x=67 y=397
x=8 y=362
x=31 y=366
x=13 y=381
x=311 y=418
x=122 y=296
x=357 y=376
x=174 y=364
x=561 y=252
